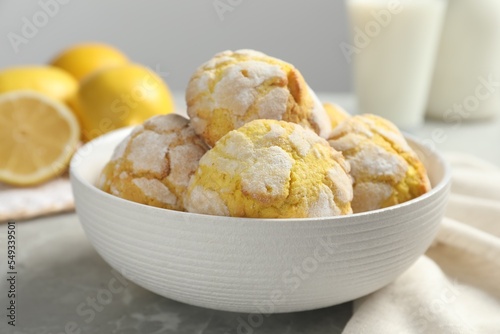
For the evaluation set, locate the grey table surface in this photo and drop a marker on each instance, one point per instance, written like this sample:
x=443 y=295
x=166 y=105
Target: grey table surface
x=60 y=274
x=58 y=270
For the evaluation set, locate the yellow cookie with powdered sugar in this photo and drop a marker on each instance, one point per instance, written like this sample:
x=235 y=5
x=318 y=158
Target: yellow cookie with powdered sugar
x=271 y=169
x=154 y=164
x=234 y=88
x=385 y=170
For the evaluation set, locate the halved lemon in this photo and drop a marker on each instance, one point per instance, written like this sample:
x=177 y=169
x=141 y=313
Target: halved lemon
x=38 y=136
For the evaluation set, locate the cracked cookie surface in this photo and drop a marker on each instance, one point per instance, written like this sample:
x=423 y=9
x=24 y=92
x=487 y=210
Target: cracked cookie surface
x=154 y=164
x=385 y=170
x=271 y=169
x=234 y=88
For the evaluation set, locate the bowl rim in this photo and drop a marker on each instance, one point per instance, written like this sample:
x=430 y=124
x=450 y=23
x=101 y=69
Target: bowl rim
x=75 y=176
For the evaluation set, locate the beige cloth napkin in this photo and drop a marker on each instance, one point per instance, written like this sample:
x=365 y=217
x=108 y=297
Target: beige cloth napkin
x=23 y=203
x=455 y=287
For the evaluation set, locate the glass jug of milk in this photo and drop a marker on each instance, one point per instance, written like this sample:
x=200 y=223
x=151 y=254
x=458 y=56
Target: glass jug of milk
x=393 y=51
x=466 y=83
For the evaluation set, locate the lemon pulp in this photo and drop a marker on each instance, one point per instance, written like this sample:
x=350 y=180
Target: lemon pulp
x=38 y=135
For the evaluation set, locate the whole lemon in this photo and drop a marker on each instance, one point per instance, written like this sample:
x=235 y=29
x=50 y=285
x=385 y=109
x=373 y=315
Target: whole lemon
x=82 y=59
x=48 y=80
x=120 y=96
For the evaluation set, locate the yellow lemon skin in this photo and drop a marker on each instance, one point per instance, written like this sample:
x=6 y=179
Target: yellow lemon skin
x=120 y=96
x=83 y=59
x=48 y=80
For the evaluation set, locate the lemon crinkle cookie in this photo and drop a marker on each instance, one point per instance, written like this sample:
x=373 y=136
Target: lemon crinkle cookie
x=154 y=164
x=234 y=88
x=336 y=114
x=271 y=169
x=385 y=170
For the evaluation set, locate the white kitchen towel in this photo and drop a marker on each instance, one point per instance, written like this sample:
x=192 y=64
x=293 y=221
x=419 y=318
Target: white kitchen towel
x=455 y=287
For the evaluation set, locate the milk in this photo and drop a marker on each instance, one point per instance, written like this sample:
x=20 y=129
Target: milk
x=395 y=48
x=466 y=83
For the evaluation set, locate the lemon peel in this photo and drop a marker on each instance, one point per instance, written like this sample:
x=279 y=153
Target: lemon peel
x=82 y=59
x=51 y=81
x=120 y=96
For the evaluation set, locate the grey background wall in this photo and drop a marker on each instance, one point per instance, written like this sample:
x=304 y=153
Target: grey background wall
x=175 y=36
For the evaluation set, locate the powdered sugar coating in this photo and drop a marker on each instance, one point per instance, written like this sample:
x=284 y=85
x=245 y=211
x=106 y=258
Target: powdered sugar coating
x=372 y=195
x=120 y=149
x=166 y=124
x=379 y=162
x=184 y=158
x=236 y=91
x=273 y=105
x=155 y=189
x=235 y=88
x=320 y=116
x=268 y=178
x=155 y=163
x=323 y=207
x=146 y=151
x=337 y=175
x=206 y=201
x=271 y=169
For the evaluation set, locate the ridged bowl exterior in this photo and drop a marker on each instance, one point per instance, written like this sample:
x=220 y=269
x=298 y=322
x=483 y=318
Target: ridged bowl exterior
x=254 y=265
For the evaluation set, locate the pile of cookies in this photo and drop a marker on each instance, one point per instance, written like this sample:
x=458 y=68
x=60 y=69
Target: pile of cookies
x=258 y=143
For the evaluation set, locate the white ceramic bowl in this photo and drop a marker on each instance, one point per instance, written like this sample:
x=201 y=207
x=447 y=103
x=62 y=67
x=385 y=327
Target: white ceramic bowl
x=254 y=265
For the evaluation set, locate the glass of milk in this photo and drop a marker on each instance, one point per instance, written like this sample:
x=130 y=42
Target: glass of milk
x=466 y=83
x=393 y=49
